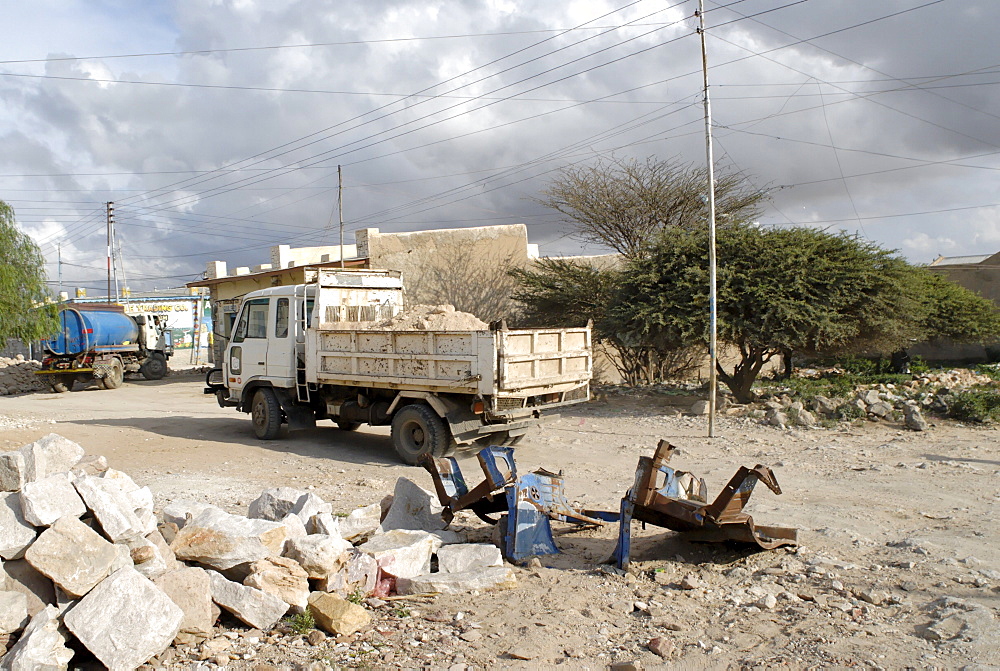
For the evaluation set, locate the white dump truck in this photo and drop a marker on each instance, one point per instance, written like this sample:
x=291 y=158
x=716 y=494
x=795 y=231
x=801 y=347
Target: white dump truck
x=308 y=352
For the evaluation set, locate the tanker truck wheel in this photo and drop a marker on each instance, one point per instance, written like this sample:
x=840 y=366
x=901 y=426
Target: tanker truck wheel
x=417 y=430
x=62 y=383
x=266 y=414
x=154 y=368
x=115 y=375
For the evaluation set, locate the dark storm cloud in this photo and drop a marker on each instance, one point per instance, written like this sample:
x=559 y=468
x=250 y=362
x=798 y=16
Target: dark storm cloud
x=828 y=119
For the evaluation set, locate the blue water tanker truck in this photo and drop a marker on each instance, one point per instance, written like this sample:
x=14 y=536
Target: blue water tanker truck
x=100 y=342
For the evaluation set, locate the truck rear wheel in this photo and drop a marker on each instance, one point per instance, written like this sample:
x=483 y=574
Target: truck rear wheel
x=115 y=375
x=62 y=383
x=154 y=368
x=417 y=430
x=266 y=414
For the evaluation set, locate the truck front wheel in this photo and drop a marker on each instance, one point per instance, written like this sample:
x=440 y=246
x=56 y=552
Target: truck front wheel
x=266 y=414
x=417 y=430
x=154 y=368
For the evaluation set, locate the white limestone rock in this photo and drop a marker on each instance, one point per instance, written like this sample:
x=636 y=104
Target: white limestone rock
x=221 y=541
x=125 y=620
x=190 y=588
x=111 y=507
x=13 y=612
x=275 y=503
x=282 y=577
x=319 y=554
x=493 y=577
x=361 y=522
x=72 y=555
x=468 y=557
x=179 y=512
x=250 y=605
x=20 y=576
x=13 y=471
x=325 y=524
x=46 y=500
x=50 y=454
x=413 y=508
x=42 y=646
x=15 y=532
x=403 y=553
x=358 y=575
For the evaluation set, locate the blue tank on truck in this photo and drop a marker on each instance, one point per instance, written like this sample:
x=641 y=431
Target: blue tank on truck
x=93 y=331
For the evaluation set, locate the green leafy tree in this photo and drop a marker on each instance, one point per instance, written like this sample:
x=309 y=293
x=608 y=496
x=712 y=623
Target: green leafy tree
x=779 y=290
x=954 y=313
x=624 y=203
x=24 y=313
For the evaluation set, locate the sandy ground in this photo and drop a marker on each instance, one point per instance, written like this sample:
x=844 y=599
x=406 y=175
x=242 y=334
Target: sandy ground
x=899 y=564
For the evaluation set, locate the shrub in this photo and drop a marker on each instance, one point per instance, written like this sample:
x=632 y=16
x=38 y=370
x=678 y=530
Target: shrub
x=975 y=405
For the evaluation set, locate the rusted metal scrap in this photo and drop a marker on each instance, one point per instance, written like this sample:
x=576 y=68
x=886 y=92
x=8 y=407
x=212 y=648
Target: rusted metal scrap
x=681 y=503
x=529 y=502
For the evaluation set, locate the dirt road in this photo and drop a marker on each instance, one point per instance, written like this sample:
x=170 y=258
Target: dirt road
x=900 y=564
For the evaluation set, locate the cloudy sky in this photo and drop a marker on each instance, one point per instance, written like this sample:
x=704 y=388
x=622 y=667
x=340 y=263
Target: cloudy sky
x=216 y=126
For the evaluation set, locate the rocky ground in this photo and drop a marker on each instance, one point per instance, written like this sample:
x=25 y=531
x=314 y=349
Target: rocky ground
x=898 y=566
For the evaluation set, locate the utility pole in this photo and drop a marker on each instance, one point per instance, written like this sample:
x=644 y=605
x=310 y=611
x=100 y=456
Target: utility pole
x=713 y=355
x=340 y=207
x=59 y=253
x=111 y=220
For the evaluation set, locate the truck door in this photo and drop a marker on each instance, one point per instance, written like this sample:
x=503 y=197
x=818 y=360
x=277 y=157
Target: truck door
x=248 y=350
x=281 y=348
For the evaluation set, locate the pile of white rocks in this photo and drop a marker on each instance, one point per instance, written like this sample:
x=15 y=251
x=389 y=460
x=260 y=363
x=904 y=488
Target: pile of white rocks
x=86 y=557
x=17 y=376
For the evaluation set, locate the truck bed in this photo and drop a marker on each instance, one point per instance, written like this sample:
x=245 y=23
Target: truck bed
x=517 y=362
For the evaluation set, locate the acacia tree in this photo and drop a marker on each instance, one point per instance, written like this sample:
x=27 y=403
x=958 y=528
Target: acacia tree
x=24 y=313
x=624 y=203
x=778 y=290
x=954 y=313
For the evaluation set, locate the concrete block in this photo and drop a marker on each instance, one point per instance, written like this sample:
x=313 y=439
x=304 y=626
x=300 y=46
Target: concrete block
x=191 y=590
x=468 y=557
x=72 y=555
x=358 y=575
x=24 y=578
x=252 y=606
x=15 y=532
x=13 y=612
x=46 y=500
x=493 y=577
x=361 y=522
x=403 y=553
x=125 y=620
x=282 y=577
x=336 y=615
x=111 y=507
x=42 y=645
x=50 y=454
x=320 y=555
x=13 y=471
x=413 y=508
x=179 y=512
x=221 y=541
